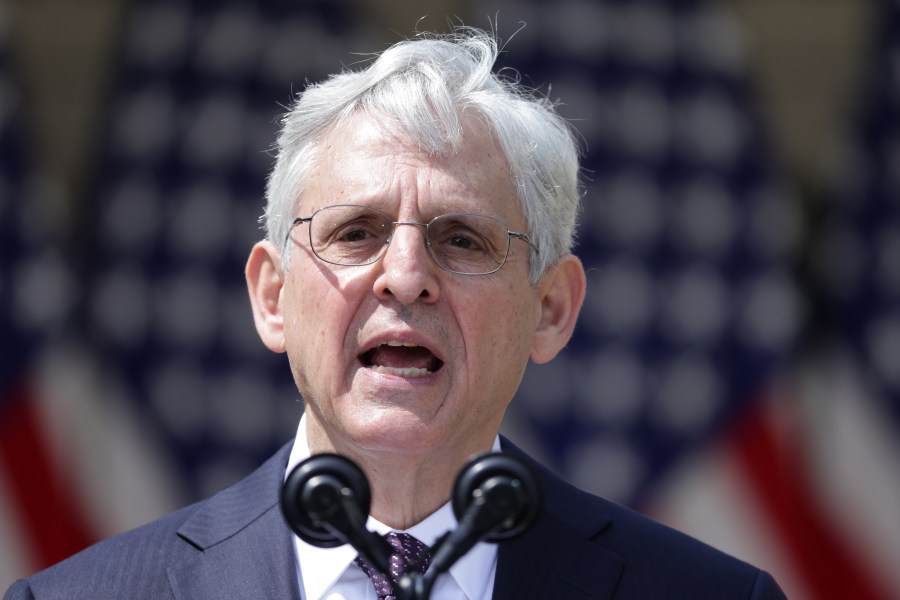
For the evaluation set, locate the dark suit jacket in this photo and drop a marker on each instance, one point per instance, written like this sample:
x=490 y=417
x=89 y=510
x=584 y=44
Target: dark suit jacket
x=237 y=545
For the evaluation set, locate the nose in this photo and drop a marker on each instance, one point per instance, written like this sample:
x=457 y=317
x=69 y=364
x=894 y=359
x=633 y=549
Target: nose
x=407 y=271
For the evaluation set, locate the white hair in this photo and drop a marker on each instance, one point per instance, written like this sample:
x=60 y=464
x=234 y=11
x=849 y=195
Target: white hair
x=425 y=87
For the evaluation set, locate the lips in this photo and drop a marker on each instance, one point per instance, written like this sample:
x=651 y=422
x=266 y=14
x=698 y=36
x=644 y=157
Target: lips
x=403 y=359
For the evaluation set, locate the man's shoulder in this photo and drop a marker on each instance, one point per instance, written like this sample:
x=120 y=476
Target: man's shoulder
x=645 y=556
x=137 y=561
x=632 y=534
x=621 y=527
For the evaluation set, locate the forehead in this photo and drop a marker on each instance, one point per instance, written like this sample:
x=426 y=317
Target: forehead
x=362 y=163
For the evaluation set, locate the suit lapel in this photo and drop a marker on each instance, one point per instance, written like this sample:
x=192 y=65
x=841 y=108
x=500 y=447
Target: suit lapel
x=245 y=547
x=558 y=557
x=553 y=562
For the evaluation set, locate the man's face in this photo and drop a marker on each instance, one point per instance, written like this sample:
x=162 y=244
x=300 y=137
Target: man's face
x=353 y=334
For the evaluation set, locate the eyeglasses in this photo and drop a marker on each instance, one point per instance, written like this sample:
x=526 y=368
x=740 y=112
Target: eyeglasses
x=463 y=243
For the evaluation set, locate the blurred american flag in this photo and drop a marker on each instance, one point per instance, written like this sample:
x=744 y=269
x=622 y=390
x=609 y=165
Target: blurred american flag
x=688 y=236
x=695 y=388
x=180 y=191
x=685 y=391
x=37 y=292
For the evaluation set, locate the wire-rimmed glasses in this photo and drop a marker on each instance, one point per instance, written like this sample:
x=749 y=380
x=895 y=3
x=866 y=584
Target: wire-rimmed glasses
x=464 y=243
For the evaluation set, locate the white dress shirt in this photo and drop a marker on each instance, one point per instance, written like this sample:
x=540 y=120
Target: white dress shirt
x=331 y=574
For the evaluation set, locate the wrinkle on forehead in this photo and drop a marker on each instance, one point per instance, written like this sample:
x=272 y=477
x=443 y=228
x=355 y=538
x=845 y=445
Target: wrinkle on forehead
x=363 y=162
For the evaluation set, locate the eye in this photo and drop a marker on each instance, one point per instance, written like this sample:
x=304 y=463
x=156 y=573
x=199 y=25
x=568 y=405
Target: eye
x=348 y=234
x=458 y=237
x=357 y=230
x=464 y=240
x=353 y=233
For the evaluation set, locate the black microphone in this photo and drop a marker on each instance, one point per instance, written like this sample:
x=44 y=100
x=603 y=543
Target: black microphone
x=326 y=500
x=496 y=497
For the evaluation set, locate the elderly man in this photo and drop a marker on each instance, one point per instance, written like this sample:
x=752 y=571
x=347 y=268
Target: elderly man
x=419 y=225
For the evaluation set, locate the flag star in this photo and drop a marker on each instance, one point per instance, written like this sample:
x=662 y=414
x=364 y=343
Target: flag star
x=146 y=123
x=160 y=35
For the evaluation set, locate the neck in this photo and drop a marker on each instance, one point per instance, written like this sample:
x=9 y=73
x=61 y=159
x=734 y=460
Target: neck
x=406 y=487
x=406 y=492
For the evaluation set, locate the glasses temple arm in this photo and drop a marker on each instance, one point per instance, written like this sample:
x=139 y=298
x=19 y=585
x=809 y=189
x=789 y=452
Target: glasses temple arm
x=524 y=237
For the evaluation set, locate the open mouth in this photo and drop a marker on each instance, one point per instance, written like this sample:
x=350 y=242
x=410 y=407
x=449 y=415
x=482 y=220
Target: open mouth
x=401 y=359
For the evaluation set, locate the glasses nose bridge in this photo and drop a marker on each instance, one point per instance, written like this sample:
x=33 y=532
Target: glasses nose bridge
x=424 y=226
x=425 y=240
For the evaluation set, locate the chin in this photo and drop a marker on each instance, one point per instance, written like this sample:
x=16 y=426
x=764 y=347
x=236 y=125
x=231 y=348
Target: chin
x=396 y=433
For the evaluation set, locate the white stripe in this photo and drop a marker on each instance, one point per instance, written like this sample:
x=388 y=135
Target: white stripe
x=15 y=555
x=708 y=499
x=854 y=443
x=121 y=477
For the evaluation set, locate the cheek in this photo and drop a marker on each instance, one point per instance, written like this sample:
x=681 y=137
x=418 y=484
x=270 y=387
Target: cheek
x=306 y=318
x=311 y=324
x=319 y=308
x=504 y=331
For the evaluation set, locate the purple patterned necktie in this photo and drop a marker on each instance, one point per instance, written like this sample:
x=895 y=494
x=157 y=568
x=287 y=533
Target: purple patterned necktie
x=410 y=553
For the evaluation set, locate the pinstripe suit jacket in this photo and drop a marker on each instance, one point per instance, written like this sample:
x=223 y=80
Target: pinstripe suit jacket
x=236 y=545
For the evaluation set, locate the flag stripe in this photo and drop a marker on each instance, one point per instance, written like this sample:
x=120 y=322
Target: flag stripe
x=773 y=465
x=41 y=494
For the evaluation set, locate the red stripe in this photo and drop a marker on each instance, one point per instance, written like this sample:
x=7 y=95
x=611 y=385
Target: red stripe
x=42 y=496
x=774 y=466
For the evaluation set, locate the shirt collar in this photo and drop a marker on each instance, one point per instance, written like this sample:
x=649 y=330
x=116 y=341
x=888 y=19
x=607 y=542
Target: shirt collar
x=472 y=572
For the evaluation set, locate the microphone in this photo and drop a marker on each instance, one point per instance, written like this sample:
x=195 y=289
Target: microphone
x=496 y=497
x=326 y=500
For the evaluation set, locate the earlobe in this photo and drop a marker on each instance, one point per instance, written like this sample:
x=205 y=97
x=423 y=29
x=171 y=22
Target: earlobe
x=561 y=291
x=265 y=283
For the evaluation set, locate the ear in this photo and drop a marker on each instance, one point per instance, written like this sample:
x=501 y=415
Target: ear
x=561 y=292
x=265 y=282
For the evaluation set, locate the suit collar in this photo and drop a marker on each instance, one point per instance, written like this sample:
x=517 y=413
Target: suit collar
x=558 y=556
x=244 y=542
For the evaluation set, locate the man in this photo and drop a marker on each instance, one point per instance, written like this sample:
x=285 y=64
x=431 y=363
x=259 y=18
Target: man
x=419 y=226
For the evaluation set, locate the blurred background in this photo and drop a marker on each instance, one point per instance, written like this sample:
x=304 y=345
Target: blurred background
x=736 y=369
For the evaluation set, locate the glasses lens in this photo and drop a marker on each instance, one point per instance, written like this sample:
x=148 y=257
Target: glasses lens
x=468 y=244
x=349 y=235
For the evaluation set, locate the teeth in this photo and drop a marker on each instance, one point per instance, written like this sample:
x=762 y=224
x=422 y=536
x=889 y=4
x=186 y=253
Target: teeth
x=410 y=372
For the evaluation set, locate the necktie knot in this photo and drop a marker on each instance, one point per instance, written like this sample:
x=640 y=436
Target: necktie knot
x=410 y=554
